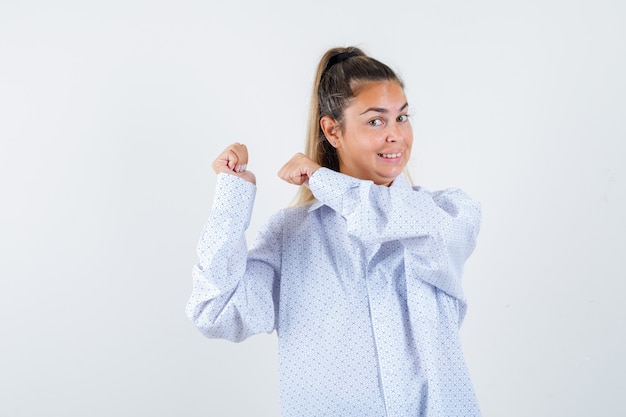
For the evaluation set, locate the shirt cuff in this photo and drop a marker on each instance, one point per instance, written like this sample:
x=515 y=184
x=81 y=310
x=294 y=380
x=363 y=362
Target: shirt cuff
x=330 y=187
x=234 y=198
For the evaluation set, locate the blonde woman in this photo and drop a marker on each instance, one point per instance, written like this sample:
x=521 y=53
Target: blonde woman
x=361 y=280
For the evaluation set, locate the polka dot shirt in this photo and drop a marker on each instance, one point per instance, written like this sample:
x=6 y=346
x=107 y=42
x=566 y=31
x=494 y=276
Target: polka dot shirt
x=363 y=289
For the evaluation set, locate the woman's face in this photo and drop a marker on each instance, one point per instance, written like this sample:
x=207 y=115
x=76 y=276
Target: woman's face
x=376 y=140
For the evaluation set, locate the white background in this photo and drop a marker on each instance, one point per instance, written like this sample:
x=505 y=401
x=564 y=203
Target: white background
x=111 y=114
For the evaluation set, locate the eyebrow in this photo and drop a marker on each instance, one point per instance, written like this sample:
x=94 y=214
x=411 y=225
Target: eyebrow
x=383 y=110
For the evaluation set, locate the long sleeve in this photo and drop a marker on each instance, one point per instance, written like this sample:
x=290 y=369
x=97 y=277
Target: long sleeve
x=438 y=229
x=234 y=289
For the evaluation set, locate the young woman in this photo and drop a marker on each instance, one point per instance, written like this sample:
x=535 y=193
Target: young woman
x=362 y=279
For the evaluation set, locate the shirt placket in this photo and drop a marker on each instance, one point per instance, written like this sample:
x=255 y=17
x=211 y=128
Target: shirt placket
x=380 y=324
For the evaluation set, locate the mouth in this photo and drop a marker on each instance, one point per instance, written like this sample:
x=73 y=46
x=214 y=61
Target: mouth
x=390 y=155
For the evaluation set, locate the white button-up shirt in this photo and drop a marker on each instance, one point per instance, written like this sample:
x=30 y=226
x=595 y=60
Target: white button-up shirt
x=363 y=288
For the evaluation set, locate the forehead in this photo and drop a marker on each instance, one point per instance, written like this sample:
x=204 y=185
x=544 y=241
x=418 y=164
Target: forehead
x=383 y=94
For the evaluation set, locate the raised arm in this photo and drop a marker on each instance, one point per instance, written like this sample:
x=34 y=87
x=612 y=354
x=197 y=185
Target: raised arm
x=438 y=230
x=234 y=289
x=377 y=214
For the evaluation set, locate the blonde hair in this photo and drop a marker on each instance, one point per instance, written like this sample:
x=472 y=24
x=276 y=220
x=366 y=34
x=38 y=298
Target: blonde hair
x=340 y=73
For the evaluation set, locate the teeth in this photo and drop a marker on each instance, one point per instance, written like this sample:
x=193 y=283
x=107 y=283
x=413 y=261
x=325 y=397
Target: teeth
x=390 y=155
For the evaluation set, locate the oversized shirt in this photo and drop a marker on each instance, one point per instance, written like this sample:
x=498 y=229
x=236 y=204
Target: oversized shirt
x=363 y=288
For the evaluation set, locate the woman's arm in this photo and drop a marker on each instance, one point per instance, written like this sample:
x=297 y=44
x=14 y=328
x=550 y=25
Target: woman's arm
x=235 y=290
x=379 y=214
x=438 y=230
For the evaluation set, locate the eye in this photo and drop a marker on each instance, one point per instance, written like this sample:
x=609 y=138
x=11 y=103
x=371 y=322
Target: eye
x=376 y=122
x=403 y=118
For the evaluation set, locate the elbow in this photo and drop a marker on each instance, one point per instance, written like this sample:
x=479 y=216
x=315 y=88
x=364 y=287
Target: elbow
x=212 y=325
x=200 y=321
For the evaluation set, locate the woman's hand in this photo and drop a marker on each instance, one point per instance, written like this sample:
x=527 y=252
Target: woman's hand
x=234 y=160
x=298 y=170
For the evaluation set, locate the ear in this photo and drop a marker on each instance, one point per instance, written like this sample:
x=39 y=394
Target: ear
x=331 y=130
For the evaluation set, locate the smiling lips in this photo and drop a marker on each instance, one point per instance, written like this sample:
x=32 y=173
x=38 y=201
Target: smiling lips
x=390 y=155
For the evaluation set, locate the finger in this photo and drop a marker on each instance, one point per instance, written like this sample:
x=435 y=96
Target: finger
x=294 y=177
x=298 y=170
x=233 y=158
x=237 y=156
x=241 y=151
x=291 y=172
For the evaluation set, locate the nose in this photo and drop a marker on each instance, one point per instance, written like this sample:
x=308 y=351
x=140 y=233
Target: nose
x=394 y=134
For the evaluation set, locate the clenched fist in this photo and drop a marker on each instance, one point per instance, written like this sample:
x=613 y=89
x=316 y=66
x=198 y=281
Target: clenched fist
x=234 y=160
x=298 y=170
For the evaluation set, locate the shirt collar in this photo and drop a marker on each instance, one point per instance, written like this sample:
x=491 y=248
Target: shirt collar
x=315 y=205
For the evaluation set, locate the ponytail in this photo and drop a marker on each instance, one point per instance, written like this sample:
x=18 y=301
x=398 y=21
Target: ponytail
x=340 y=73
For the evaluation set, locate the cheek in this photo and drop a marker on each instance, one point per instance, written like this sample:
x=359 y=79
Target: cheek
x=409 y=137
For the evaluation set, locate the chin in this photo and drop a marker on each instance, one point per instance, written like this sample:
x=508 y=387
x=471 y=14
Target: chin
x=384 y=180
x=390 y=176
